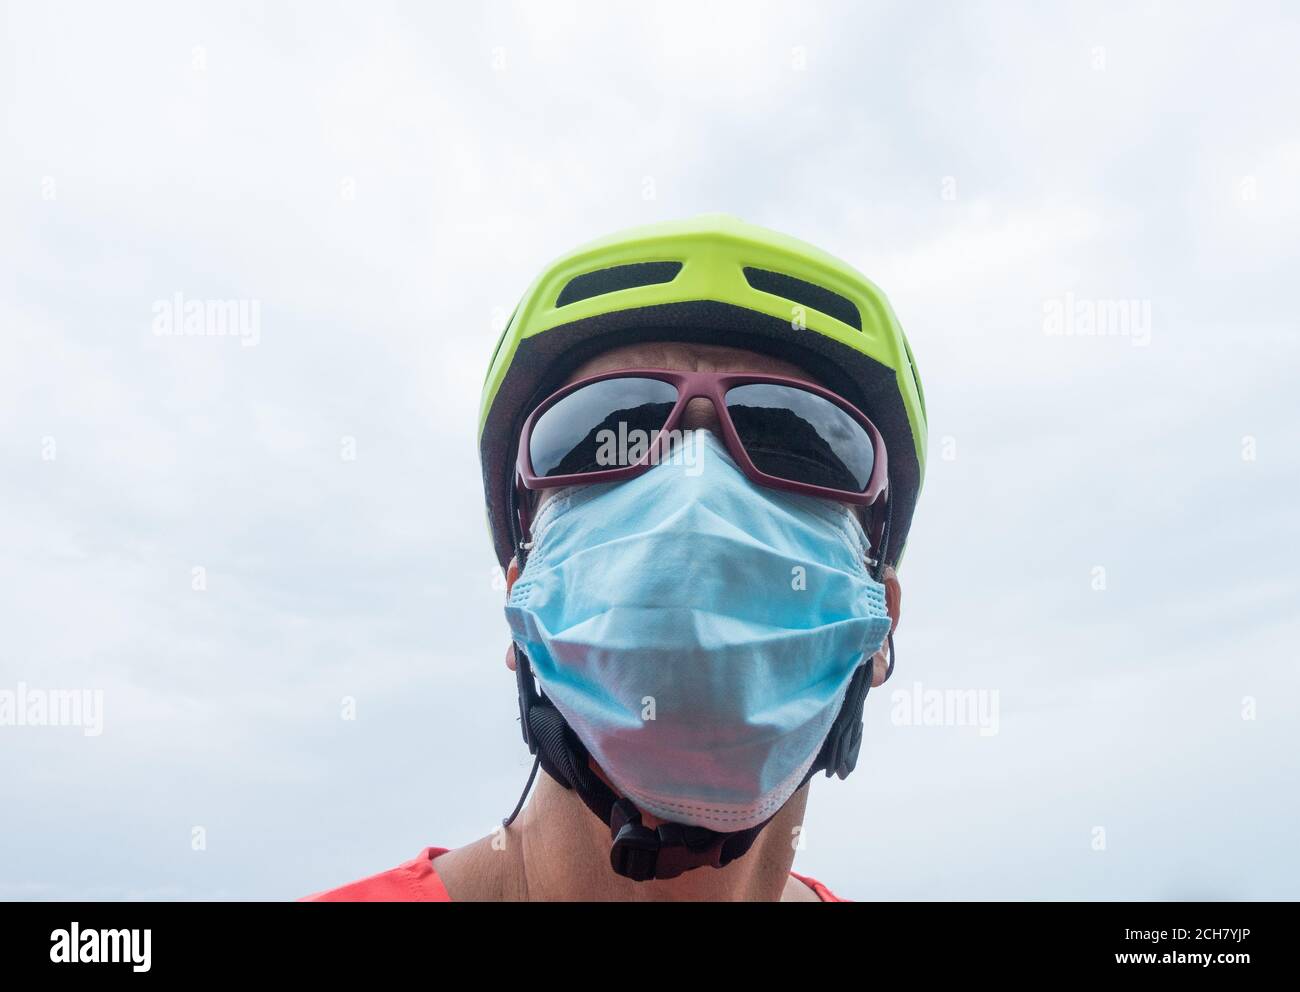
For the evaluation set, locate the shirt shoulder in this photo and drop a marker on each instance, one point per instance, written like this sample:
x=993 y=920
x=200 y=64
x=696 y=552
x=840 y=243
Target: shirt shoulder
x=417 y=881
x=823 y=893
x=411 y=881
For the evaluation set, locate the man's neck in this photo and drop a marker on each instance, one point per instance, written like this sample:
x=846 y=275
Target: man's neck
x=556 y=850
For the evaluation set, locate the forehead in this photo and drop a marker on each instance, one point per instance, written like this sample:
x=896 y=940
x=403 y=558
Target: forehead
x=681 y=356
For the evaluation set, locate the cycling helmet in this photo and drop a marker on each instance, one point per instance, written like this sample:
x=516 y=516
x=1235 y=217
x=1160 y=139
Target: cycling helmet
x=717 y=280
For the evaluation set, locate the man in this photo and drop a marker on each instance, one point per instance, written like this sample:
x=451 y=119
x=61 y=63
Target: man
x=702 y=444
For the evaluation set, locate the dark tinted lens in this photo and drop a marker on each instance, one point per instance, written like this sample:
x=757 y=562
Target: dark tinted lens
x=797 y=435
x=607 y=424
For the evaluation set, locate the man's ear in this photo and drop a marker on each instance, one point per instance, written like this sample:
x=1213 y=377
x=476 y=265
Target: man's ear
x=893 y=605
x=512 y=573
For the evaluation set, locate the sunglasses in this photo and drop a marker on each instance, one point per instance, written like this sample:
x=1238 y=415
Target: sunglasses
x=782 y=432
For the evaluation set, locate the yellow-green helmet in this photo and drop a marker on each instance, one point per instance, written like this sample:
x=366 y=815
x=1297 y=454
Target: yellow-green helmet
x=712 y=279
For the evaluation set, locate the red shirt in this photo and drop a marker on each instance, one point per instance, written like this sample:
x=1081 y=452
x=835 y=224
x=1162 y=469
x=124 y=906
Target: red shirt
x=417 y=881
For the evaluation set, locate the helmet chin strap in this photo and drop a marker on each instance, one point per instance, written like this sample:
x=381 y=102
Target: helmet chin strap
x=666 y=851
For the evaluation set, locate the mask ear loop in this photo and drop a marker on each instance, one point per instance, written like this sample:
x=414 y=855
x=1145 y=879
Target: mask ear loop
x=881 y=559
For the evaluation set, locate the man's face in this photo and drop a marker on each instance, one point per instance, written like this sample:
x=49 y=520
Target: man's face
x=699 y=414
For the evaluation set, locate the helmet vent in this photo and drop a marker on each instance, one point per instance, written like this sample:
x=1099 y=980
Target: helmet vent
x=808 y=294
x=617 y=277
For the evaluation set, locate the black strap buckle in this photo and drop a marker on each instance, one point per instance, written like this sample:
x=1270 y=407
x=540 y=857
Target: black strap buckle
x=640 y=853
x=635 y=851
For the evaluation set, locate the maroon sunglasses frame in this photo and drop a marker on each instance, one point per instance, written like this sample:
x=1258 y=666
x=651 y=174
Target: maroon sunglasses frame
x=712 y=386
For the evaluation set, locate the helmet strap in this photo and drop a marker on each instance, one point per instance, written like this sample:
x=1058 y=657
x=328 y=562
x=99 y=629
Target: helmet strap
x=637 y=851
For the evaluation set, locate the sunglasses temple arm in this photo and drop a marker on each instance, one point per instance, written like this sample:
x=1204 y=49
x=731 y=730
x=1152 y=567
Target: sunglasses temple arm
x=522 y=520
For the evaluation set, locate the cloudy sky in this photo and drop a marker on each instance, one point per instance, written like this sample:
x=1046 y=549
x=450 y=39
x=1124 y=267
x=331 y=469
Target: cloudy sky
x=227 y=539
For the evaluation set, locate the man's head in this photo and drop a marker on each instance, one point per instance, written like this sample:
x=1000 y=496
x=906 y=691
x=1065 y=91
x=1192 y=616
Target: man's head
x=691 y=647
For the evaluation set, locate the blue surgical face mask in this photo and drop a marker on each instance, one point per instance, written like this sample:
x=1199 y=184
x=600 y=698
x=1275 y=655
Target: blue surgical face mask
x=698 y=632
